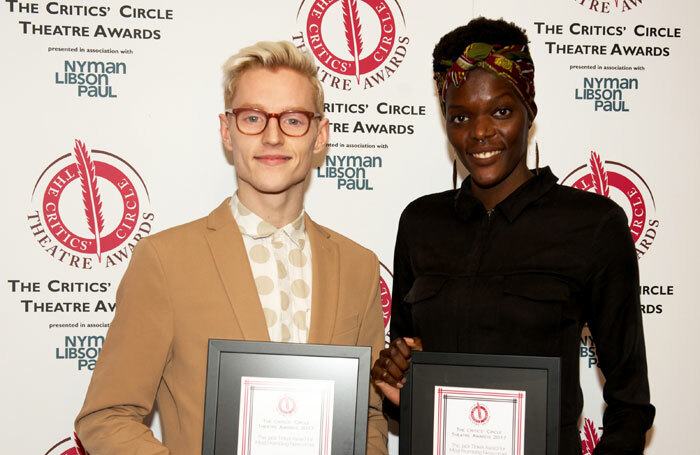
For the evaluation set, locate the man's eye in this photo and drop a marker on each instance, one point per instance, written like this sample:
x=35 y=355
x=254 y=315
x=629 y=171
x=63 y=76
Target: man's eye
x=251 y=118
x=294 y=120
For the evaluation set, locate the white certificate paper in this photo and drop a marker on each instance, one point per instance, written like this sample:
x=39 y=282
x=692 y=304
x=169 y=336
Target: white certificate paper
x=290 y=416
x=471 y=421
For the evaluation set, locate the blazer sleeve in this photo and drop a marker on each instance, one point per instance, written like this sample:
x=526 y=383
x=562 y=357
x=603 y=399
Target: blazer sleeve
x=372 y=334
x=129 y=370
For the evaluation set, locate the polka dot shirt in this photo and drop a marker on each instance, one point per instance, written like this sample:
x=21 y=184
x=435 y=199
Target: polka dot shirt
x=281 y=263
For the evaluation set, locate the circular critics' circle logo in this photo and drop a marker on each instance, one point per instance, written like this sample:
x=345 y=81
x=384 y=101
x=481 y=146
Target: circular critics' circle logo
x=386 y=280
x=87 y=206
x=359 y=43
x=479 y=414
x=286 y=405
x=625 y=186
x=608 y=6
x=68 y=446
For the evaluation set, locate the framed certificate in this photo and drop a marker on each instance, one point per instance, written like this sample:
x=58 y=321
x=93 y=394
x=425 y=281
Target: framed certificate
x=473 y=404
x=298 y=399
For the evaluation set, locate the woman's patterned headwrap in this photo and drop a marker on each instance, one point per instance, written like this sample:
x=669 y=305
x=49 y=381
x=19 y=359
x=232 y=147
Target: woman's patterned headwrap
x=510 y=62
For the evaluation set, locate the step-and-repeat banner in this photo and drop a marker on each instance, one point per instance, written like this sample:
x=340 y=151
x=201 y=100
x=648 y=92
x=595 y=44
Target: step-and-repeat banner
x=121 y=99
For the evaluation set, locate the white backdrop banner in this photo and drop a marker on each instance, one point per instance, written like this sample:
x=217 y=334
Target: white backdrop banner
x=121 y=99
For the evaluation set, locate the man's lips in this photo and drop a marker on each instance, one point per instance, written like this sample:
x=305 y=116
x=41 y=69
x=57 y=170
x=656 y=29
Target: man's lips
x=273 y=159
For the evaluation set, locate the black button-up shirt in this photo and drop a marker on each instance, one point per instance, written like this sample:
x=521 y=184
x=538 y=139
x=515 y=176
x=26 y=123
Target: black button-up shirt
x=524 y=279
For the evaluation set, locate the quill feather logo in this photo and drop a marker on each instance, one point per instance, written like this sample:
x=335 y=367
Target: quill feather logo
x=479 y=413
x=91 y=194
x=87 y=205
x=600 y=177
x=590 y=437
x=351 y=20
x=357 y=43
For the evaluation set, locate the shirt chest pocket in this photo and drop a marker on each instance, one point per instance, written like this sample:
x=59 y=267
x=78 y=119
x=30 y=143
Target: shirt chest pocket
x=425 y=288
x=536 y=288
x=532 y=307
x=429 y=305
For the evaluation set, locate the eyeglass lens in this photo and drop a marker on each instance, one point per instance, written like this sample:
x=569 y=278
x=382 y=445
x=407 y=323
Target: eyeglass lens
x=254 y=122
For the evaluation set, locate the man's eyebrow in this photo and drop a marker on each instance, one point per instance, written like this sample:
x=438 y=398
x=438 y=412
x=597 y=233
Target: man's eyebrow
x=286 y=108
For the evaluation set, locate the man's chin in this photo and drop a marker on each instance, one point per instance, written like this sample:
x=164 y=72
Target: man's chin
x=276 y=188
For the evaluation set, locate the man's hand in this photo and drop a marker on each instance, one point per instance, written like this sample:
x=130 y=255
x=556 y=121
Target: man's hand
x=388 y=371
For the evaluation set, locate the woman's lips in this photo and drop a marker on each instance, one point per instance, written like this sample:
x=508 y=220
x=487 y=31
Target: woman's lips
x=486 y=155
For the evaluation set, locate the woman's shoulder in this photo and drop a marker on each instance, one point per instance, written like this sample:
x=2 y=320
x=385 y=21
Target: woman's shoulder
x=431 y=204
x=581 y=200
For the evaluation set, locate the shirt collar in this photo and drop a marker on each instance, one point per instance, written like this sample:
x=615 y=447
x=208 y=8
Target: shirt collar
x=251 y=225
x=467 y=205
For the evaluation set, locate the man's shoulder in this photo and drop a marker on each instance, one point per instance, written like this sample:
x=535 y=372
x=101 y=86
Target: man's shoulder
x=348 y=248
x=192 y=232
x=179 y=236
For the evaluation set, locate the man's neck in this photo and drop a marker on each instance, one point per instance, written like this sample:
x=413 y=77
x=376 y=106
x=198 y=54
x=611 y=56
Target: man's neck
x=277 y=209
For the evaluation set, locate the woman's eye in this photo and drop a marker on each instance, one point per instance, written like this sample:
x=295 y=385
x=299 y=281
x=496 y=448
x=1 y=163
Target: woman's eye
x=459 y=118
x=502 y=112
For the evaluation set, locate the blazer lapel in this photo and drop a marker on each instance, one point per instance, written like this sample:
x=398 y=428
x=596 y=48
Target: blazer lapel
x=325 y=283
x=228 y=250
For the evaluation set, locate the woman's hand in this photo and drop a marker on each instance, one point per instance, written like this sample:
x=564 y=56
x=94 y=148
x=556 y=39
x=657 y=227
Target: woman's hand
x=392 y=363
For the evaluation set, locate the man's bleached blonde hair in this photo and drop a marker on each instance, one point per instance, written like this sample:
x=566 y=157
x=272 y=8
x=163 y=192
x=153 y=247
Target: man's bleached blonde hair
x=271 y=55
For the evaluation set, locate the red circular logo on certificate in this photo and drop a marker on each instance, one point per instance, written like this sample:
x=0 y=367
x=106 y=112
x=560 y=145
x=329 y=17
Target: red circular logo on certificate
x=479 y=414
x=286 y=405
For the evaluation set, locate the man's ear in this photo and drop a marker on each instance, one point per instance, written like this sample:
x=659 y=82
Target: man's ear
x=225 y=132
x=322 y=136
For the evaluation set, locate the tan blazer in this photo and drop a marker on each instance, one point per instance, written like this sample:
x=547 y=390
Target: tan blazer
x=194 y=282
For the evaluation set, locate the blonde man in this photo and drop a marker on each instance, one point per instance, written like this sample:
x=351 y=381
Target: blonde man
x=257 y=268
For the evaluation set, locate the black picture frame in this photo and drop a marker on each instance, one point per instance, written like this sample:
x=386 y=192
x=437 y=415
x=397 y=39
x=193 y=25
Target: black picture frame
x=539 y=377
x=229 y=360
